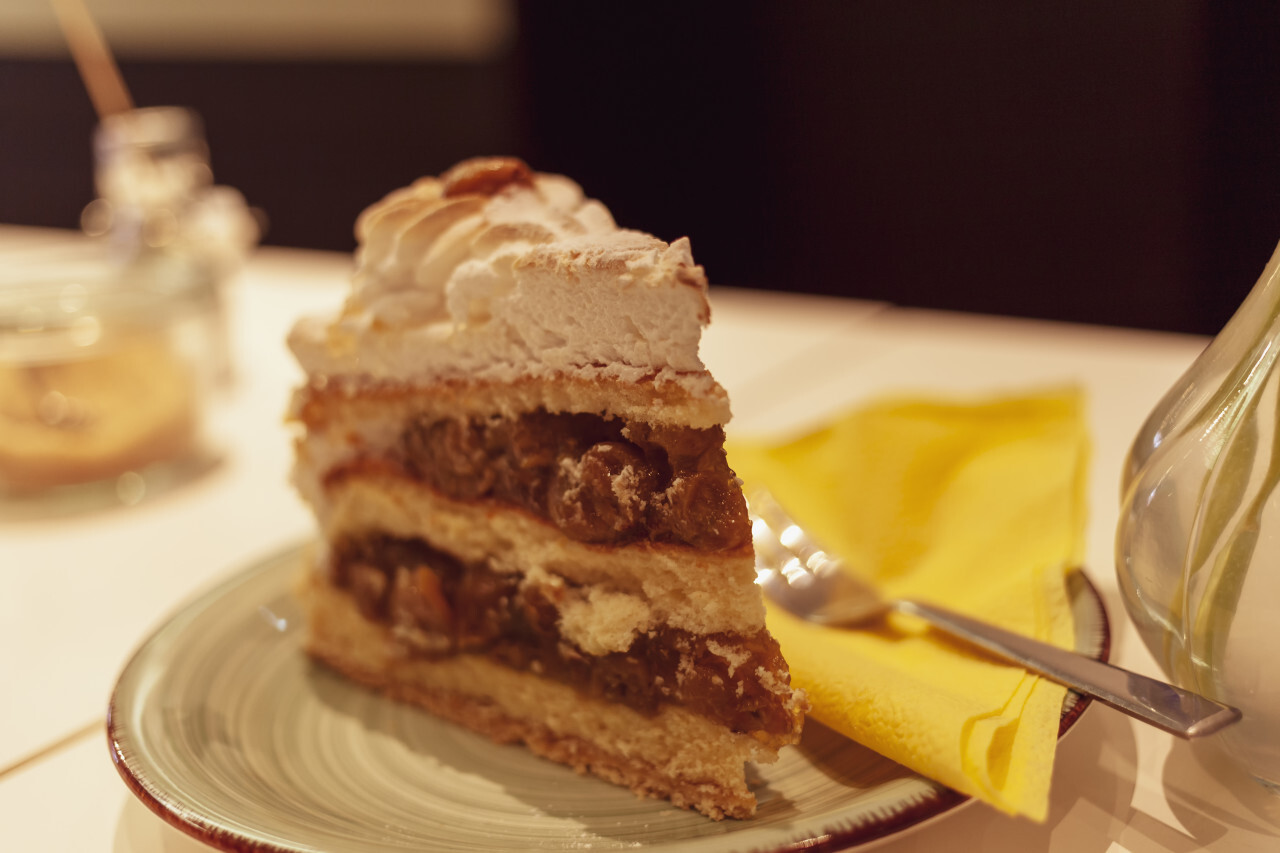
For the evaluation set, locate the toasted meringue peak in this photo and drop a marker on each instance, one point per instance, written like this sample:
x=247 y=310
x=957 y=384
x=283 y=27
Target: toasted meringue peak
x=485 y=176
x=496 y=272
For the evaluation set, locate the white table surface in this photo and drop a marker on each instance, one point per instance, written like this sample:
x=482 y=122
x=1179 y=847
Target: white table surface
x=79 y=593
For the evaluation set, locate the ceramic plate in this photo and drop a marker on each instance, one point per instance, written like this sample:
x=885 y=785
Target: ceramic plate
x=224 y=728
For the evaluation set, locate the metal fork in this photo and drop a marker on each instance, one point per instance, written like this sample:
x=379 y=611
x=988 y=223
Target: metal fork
x=807 y=581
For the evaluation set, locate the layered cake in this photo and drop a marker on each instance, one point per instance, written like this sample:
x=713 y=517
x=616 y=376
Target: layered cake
x=516 y=460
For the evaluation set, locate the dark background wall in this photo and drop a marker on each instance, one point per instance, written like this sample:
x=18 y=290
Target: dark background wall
x=1108 y=162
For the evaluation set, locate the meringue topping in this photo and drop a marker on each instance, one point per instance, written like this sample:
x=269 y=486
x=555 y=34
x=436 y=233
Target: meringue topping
x=495 y=271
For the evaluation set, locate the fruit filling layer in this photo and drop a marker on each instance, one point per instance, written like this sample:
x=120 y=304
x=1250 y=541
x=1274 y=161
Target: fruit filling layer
x=599 y=480
x=436 y=606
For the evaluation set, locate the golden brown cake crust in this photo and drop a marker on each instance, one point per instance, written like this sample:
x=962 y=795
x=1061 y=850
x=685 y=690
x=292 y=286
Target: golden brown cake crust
x=332 y=401
x=673 y=754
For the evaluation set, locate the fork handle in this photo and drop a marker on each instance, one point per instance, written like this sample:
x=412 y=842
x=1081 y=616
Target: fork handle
x=1165 y=706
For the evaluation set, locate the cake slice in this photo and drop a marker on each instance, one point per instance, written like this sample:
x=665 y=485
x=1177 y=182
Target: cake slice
x=516 y=460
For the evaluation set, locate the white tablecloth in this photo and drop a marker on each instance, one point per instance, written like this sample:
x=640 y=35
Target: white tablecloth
x=77 y=594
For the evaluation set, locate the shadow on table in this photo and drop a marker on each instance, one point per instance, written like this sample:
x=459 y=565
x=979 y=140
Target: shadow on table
x=114 y=494
x=139 y=830
x=1236 y=814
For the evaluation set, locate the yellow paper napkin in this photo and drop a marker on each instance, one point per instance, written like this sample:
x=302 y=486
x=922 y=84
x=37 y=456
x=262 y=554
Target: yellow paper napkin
x=975 y=506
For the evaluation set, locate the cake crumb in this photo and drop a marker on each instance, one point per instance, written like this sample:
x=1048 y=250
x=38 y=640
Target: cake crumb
x=736 y=656
x=602 y=621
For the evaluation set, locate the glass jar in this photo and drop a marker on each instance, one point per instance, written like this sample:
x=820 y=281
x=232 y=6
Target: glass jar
x=114 y=342
x=1198 y=541
x=105 y=379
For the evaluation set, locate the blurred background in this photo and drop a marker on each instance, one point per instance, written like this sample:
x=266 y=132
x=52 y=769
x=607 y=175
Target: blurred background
x=1111 y=162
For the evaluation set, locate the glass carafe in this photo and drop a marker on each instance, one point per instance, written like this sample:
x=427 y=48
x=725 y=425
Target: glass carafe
x=1198 y=543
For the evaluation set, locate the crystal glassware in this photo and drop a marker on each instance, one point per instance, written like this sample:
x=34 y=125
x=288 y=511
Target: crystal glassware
x=1198 y=541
